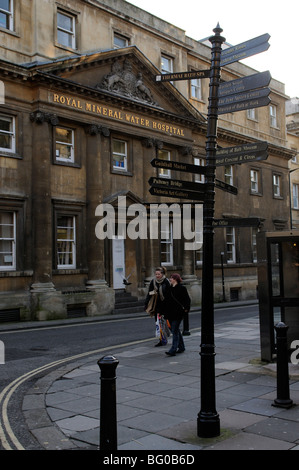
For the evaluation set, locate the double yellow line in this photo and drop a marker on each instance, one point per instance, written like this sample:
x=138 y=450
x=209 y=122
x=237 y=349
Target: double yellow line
x=8 y=439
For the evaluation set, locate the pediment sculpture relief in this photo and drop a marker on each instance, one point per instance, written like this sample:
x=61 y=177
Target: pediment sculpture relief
x=123 y=81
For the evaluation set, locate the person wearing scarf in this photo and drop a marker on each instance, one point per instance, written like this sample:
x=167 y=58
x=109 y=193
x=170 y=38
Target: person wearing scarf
x=160 y=285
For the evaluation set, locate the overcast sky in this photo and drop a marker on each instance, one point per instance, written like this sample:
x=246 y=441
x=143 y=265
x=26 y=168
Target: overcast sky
x=240 y=22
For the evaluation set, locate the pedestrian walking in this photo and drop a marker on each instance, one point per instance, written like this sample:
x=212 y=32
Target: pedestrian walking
x=155 y=303
x=178 y=304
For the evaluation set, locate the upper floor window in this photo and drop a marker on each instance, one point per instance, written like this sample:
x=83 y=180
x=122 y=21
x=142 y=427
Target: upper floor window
x=228 y=174
x=196 y=89
x=199 y=162
x=167 y=244
x=276 y=185
x=120 y=41
x=252 y=114
x=273 y=115
x=164 y=155
x=64 y=141
x=7 y=133
x=66 y=30
x=7 y=241
x=166 y=64
x=6 y=14
x=119 y=155
x=294 y=157
x=254 y=181
x=295 y=196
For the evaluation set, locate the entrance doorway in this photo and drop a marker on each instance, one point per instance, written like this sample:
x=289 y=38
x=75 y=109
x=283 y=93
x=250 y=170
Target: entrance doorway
x=278 y=272
x=118 y=262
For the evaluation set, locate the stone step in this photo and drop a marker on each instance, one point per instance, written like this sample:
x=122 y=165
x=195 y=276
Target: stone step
x=127 y=303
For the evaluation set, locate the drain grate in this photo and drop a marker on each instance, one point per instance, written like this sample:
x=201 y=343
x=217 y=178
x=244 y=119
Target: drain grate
x=10 y=315
x=76 y=311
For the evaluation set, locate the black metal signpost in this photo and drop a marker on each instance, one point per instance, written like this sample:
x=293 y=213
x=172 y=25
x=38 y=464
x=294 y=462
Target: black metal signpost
x=208 y=421
x=237 y=95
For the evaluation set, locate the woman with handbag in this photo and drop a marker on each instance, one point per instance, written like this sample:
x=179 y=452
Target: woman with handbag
x=178 y=304
x=155 y=303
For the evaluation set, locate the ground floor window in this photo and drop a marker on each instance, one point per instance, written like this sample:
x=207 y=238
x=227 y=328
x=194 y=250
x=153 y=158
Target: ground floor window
x=167 y=245
x=230 y=245
x=66 y=242
x=7 y=241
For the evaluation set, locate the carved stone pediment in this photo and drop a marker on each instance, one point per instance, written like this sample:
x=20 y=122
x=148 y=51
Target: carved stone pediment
x=123 y=81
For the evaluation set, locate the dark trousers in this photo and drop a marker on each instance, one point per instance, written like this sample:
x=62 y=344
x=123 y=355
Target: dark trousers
x=177 y=338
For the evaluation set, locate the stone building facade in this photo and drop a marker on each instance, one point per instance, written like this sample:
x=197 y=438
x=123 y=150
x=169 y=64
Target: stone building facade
x=82 y=117
x=292 y=115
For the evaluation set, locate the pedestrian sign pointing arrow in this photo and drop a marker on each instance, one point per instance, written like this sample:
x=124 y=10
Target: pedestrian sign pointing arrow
x=191 y=75
x=245 y=49
x=252 y=82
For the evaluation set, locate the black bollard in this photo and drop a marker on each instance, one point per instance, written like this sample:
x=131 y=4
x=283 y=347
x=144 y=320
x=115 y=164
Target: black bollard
x=283 y=387
x=108 y=423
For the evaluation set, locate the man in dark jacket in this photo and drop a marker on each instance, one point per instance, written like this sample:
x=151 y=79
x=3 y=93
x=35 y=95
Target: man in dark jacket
x=178 y=303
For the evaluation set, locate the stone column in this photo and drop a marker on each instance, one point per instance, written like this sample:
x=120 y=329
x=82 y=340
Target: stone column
x=41 y=201
x=103 y=295
x=45 y=304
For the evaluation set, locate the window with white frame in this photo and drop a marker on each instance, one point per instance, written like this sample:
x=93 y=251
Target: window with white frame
x=295 y=196
x=196 y=89
x=167 y=244
x=119 y=154
x=166 y=64
x=251 y=114
x=66 y=242
x=64 y=144
x=164 y=155
x=199 y=162
x=276 y=185
x=254 y=244
x=7 y=241
x=229 y=174
x=273 y=115
x=7 y=133
x=199 y=253
x=254 y=181
x=7 y=14
x=66 y=29
x=230 y=245
x=120 y=41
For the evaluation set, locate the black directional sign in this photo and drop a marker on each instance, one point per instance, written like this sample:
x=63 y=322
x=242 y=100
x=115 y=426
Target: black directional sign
x=245 y=96
x=177 y=194
x=176 y=184
x=171 y=77
x=252 y=82
x=245 y=49
x=242 y=158
x=242 y=154
x=239 y=149
x=244 y=105
x=237 y=222
x=178 y=166
x=226 y=187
